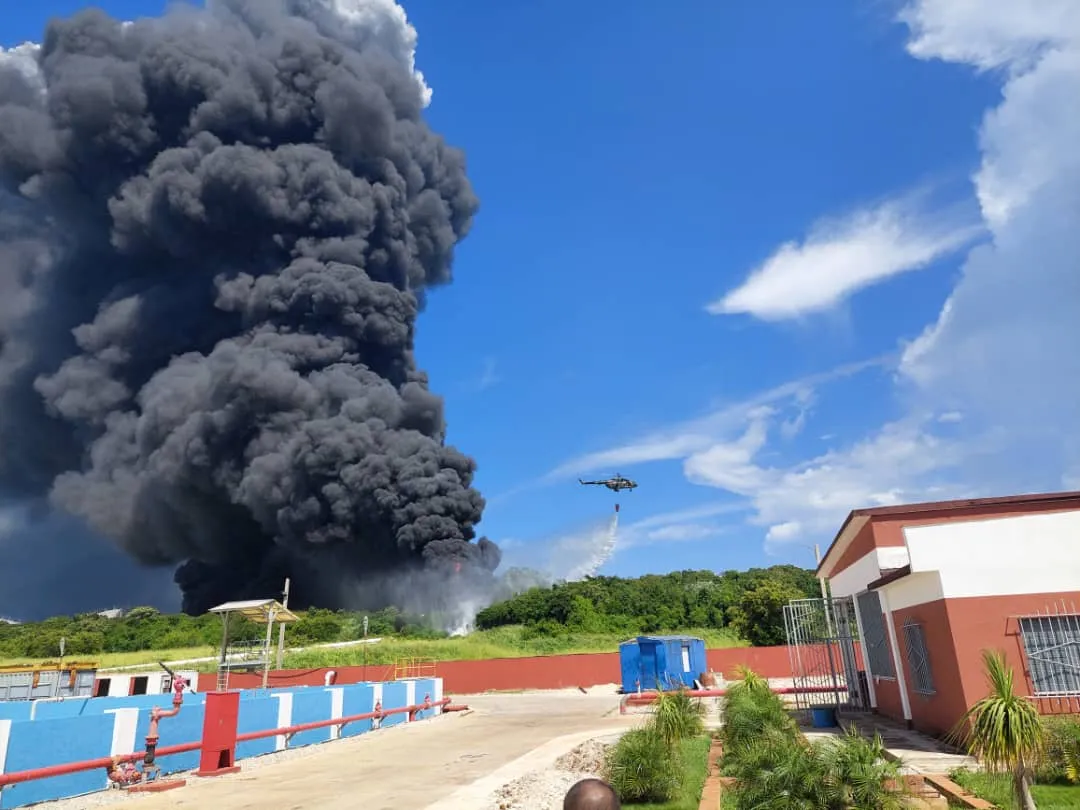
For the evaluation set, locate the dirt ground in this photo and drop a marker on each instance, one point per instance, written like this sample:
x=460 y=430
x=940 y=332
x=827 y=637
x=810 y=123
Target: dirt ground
x=402 y=768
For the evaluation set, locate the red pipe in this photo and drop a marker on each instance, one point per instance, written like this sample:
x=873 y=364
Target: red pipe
x=88 y=765
x=455 y=707
x=378 y=714
x=67 y=768
x=642 y=698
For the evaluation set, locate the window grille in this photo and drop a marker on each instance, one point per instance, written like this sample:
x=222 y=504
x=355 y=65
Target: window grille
x=918 y=659
x=1052 y=646
x=875 y=638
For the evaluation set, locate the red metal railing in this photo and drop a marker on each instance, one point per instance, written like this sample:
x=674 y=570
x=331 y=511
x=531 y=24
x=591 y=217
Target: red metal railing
x=67 y=768
x=642 y=698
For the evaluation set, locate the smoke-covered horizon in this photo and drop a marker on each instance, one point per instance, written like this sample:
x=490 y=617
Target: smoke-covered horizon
x=217 y=231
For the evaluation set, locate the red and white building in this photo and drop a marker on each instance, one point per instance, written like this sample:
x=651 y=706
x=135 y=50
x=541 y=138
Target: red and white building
x=935 y=584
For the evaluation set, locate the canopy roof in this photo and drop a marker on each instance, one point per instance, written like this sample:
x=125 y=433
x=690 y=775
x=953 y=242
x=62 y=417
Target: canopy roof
x=259 y=611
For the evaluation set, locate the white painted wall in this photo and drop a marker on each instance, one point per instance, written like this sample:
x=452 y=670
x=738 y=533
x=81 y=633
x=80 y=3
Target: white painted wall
x=866 y=569
x=120 y=683
x=5 y=738
x=1000 y=556
x=914 y=589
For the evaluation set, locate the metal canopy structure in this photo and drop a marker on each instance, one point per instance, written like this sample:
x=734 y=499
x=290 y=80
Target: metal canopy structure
x=247 y=655
x=260 y=611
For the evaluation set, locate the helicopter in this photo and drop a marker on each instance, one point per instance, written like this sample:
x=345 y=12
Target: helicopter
x=616 y=483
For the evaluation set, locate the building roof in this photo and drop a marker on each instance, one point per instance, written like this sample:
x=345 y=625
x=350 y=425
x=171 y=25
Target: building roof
x=257 y=610
x=637 y=639
x=858 y=518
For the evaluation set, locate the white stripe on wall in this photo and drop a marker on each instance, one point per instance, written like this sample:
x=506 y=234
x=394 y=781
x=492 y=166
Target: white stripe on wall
x=438 y=694
x=5 y=738
x=284 y=718
x=376 y=697
x=337 y=709
x=125 y=722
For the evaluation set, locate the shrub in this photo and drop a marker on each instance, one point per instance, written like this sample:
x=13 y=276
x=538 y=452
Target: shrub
x=1062 y=735
x=643 y=767
x=677 y=716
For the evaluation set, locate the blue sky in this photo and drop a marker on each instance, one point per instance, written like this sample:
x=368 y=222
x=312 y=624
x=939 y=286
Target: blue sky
x=773 y=260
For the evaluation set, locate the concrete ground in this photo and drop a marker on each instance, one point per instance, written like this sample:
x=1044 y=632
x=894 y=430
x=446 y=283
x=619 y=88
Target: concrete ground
x=434 y=762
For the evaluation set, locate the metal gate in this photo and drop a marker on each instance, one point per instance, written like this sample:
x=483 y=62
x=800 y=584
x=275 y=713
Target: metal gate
x=821 y=637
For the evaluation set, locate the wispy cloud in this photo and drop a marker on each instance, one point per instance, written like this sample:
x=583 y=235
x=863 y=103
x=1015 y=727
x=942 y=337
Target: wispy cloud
x=990 y=396
x=695 y=435
x=490 y=375
x=681 y=526
x=841 y=256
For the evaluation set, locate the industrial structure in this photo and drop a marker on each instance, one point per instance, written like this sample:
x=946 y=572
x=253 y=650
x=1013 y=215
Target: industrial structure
x=918 y=592
x=50 y=680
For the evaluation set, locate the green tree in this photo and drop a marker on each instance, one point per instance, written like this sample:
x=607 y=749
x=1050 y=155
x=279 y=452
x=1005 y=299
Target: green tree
x=1004 y=730
x=759 y=614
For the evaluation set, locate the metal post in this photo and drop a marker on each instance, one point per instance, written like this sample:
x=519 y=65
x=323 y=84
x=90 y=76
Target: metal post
x=281 y=629
x=223 y=663
x=364 y=646
x=828 y=629
x=266 y=651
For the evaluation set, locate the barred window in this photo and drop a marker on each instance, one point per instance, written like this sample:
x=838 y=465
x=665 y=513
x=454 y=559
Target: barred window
x=918 y=659
x=875 y=639
x=1052 y=646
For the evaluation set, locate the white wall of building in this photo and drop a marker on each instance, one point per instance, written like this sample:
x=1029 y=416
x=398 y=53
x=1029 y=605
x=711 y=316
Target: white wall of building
x=156 y=680
x=854 y=579
x=998 y=556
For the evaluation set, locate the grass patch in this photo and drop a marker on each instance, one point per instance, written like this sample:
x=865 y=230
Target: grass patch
x=996 y=788
x=695 y=767
x=502 y=642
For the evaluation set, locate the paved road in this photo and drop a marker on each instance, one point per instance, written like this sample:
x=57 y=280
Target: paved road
x=402 y=768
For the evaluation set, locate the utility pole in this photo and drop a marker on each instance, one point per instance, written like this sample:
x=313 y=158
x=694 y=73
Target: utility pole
x=824 y=591
x=281 y=628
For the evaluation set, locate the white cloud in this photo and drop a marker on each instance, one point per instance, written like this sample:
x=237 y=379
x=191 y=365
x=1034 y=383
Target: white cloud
x=1001 y=349
x=992 y=388
x=840 y=257
x=696 y=435
x=684 y=525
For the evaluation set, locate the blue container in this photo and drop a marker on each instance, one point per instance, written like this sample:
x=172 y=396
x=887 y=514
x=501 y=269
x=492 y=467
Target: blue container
x=823 y=717
x=661 y=662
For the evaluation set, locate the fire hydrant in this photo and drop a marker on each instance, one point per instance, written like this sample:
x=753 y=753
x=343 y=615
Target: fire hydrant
x=156 y=715
x=124 y=774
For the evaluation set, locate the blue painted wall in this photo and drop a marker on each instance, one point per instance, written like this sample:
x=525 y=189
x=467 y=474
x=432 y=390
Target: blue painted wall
x=81 y=729
x=40 y=743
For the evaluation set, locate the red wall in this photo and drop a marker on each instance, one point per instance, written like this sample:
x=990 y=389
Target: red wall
x=542 y=672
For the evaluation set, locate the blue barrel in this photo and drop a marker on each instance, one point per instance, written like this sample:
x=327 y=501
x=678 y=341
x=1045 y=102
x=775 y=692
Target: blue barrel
x=823 y=717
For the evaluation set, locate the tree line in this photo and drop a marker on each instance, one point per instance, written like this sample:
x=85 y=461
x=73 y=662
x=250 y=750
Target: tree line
x=749 y=603
x=146 y=628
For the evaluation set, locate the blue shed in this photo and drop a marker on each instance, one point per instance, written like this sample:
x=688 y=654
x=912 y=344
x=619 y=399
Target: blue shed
x=661 y=662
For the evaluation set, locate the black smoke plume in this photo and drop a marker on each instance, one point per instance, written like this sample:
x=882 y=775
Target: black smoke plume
x=216 y=232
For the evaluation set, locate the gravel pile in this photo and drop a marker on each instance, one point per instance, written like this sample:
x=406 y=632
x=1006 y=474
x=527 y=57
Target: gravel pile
x=545 y=790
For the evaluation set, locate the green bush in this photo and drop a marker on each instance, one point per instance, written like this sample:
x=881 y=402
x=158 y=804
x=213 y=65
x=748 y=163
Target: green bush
x=775 y=767
x=643 y=767
x=1062 y=749
x=676 y=717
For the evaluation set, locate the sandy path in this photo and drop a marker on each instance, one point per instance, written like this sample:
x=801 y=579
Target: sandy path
x=403 y=768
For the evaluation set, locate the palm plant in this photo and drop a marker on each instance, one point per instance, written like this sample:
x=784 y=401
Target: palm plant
x=778 y=770
x=643 y=767
x=747 y=712
x=1004 y=730
x=861 y=775
x=677 y=716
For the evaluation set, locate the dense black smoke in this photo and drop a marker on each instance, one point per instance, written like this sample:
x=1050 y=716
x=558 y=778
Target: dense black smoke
x=216 y=233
